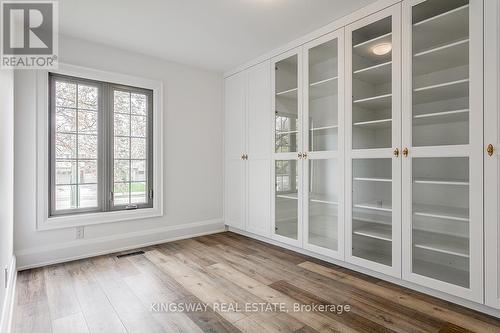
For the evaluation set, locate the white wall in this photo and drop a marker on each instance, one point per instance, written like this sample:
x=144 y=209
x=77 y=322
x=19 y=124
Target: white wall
x=6 y=182
x=192 y=117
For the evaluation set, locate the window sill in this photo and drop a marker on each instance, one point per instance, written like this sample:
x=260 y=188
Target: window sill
x=80 y=220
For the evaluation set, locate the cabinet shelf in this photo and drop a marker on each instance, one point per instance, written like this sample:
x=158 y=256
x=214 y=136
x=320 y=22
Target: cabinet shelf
x=441 y=212
x=368 y=179
x=441 y=91
x=324 y=88
x=290 y=93
x=384 y=207
x=437 y=242
x=451 y=25
x=380 y=123
x=442 y=273
x=376 y=74
x=364 y=49
x=318 y=198
x=441 y=117
x=450 y=55
x=323 y=128
x=377 y=231
x=457 y=182
x=375 y=102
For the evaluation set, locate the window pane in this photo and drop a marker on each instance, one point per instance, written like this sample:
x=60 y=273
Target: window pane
x=66 y=197
x=87 y=146
x=138 y=192
x=87 y=172
x=87 y=122
x=139 y=104
x=122 y=124
x=88 y=195
x=121 y=102
x=87 y=97
x=121 y=194
x=65 y=145
x=138 y=147
x=138 y=171
x=122 y=147
x=121 y=171
x=138 y=126
x=65 y=172
x=66 y=94
x=65 y=120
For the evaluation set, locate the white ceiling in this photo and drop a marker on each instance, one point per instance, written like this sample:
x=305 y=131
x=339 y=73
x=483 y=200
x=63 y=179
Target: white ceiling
x=211 y=34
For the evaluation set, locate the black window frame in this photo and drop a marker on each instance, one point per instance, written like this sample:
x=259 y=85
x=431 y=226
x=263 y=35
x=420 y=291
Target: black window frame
x=105 y=146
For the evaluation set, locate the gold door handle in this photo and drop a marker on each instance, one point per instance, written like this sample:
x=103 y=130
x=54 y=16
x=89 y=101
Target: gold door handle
x=490 y=149
x=396 y=152
x=405 y=152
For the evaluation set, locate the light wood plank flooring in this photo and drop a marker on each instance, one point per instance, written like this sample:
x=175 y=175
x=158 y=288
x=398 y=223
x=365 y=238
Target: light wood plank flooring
x=129 y=294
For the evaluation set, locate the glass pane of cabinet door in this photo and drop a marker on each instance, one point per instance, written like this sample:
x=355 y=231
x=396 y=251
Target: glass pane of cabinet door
x=286 y=207
x=442 y=171
x=286 y=105
x=374 y=135
x=323 y=144
x=287 y=168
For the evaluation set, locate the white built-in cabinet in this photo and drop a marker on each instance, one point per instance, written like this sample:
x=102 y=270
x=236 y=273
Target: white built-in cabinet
x=370 y=148
x=307 y=89
x=247 y=154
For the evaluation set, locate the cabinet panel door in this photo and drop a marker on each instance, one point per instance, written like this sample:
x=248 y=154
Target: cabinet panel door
x=492 y=160
x=259 y=111
x=259 y=116
x=259 y=196
x=234 y=115
x=234 y=140
x=235 y=193
x=442 y=130
x=373 y=115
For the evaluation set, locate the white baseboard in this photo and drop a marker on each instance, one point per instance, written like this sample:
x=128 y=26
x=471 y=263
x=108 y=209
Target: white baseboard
x=85 y=248
x=8 y=306
x=435 y=293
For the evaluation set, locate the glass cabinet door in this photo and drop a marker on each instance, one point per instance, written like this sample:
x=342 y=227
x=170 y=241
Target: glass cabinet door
x=287 y=143
x=440 y=171
x=323 y=144
x=374 y=166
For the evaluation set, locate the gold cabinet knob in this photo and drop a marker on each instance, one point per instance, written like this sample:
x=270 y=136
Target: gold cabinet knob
x=405 y=152
x=490 y=149
x=299 y=155
x=304 y=155
x=396 y=152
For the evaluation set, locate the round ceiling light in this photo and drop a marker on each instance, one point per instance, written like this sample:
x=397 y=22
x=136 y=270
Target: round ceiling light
x=382 y=49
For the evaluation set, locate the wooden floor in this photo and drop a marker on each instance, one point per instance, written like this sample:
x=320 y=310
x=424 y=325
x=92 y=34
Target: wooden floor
x=131 y=293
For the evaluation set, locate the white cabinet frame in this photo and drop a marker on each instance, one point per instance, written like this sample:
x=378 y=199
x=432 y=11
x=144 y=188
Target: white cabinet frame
x=492 y=163
x=473 y=151
x=395 y=269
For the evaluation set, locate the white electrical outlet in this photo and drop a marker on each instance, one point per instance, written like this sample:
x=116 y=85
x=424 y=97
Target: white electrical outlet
x=80 y=232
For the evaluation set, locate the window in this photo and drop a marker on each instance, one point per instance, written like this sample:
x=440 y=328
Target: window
x=101 y=146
